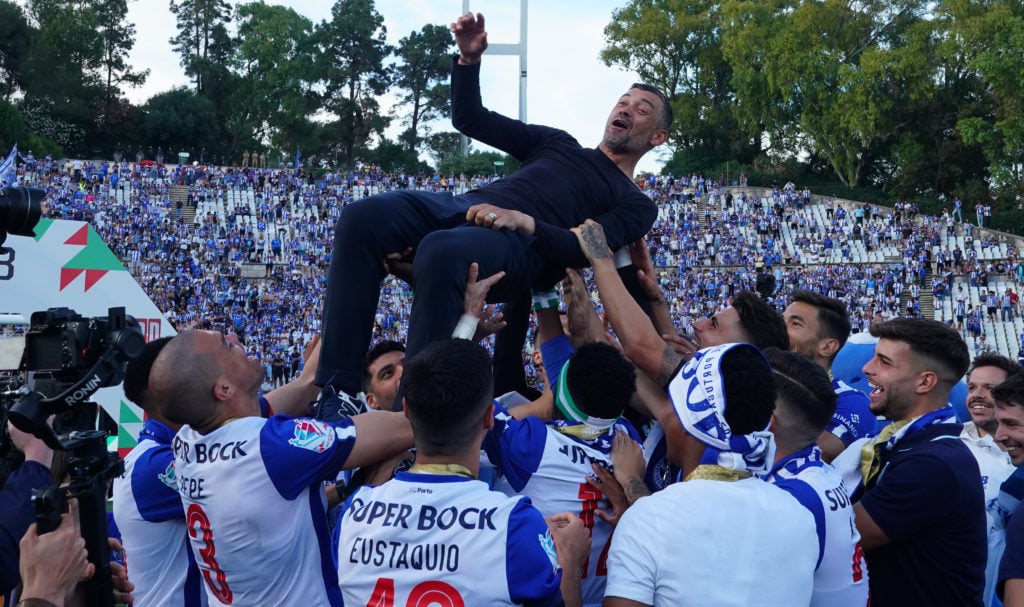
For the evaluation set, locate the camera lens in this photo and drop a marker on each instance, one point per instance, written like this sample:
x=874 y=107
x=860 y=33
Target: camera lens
x=20 y=209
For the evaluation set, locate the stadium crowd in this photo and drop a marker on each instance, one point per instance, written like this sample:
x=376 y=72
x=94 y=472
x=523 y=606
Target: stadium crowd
x=701 y=244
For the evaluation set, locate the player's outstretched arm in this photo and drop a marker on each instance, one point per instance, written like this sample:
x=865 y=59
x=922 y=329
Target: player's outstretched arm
x=379 y=435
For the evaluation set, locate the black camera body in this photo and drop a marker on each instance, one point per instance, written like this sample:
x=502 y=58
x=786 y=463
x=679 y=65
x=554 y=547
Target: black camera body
x=62 y=342
x=71 y=357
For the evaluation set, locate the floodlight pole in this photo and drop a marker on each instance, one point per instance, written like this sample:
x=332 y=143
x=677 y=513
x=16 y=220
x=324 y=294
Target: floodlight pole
x=519 y=49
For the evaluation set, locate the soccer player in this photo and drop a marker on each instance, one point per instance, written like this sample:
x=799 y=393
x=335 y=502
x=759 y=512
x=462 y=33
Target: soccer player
x=987 y=371
x=804 y=405
x=382 y=371
x=252 y=488
x=437 y=534
x=147 y=506
x=818 y=327
x=722 y=536
x=550 y=462
x=1009 y=399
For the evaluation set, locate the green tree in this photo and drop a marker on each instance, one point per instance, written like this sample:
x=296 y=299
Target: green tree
x=63 y=88
x=444 y=145
x=479 y=163
x=201 y=25
x=351 y=52
x=118 y=38
x=15 y=38
x=832 y=77
x=990 y=36
x=422 y=76
x=393 y=156
x=179 y=119
x=275 y=69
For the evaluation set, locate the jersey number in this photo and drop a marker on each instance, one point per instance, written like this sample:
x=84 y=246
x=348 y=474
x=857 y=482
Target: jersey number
x=590 y=497
x=858 y=560
x=198 y=523
x=424 y=594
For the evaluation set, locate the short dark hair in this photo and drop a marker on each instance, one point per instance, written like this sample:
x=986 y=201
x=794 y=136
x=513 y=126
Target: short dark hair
x=379 y=349
x=1010 y=393
x=931 y=340
x=600 y=380
x=447 y=387
x=805 y=396
x=136 y=374
x=749 y=391
x=991 y=359
x=833 y=316
x=665 y=115
x=762 y=323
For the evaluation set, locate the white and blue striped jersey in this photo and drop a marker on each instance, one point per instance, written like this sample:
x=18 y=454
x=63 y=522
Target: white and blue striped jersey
x=549 y=463
x=841 y=574
x=149 y=514
x=256 y=511
x=433 y=539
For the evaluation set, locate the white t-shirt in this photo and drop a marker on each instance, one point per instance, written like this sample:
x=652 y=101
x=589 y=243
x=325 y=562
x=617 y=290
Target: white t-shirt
x=705 y=542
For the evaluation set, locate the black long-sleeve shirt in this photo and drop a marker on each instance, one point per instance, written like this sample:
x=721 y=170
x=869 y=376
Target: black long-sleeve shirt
x=560 y=183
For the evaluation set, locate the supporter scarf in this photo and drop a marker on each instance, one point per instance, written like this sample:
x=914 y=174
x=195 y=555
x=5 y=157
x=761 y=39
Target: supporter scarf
x=697 y=393
x=565 y=403
x=874 y=451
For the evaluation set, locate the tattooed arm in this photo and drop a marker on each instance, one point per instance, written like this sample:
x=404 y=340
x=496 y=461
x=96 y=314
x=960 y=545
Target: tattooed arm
x=641 y=341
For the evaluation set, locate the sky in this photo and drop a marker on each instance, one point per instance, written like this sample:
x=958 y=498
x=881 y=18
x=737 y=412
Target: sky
x=567 y=84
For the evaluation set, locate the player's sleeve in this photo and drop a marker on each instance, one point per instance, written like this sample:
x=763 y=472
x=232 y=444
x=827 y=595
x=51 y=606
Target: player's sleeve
x=155 y=486
x=336 y=532
x=852 y=419
x=808 y=498
x=265 y=409
x=632 y=566
x=515 y=446
x=300 y=451
x=555 y=352
x=912 y=497
x=531 y=563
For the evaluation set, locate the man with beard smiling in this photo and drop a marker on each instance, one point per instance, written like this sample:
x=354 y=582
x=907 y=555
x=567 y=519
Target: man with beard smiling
x=988 y=371
x=919 y=507
x=518 y=224
x=1009 y=399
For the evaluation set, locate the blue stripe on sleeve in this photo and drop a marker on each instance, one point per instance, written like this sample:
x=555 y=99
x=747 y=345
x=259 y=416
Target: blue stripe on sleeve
x=808 y=498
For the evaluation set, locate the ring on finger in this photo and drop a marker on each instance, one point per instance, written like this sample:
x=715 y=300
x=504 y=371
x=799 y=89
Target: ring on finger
x=492 y=216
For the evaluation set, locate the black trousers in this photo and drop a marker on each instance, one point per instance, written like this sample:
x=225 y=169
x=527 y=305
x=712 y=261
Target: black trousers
x=444 y=245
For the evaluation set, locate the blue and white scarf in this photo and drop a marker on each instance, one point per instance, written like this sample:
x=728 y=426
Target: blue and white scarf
x=697 y=394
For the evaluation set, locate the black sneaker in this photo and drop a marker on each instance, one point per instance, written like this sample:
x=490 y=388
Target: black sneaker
x=333 y=405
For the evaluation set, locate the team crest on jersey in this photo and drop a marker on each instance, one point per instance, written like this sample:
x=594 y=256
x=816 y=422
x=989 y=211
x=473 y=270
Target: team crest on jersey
x=548 y=544
x=312 y=435
x=169 y=478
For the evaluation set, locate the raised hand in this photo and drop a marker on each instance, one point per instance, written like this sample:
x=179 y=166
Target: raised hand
x=470 y=36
